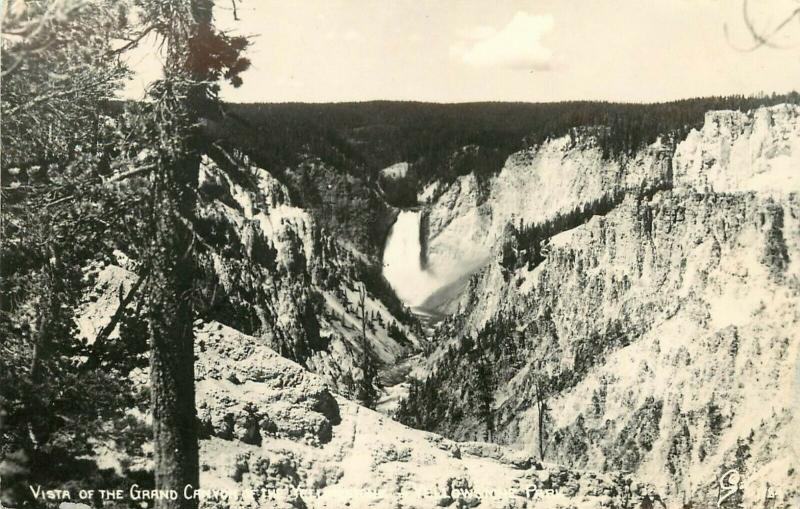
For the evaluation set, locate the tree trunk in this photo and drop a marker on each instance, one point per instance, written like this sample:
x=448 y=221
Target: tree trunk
x=170 y=320
x=362 y=296
x=172 y=271
x=38 y=427
x=541 y=405
x=99 y=346
x=541 y=432
x=367 y=391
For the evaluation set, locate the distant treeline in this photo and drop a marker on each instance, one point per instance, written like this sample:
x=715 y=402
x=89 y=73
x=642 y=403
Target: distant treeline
x=361 y=138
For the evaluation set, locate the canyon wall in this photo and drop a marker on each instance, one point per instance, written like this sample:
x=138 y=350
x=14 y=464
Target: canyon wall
x=663 y=335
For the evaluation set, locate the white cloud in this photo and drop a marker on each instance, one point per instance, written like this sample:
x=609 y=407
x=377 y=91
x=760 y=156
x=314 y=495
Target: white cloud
x=516 y=46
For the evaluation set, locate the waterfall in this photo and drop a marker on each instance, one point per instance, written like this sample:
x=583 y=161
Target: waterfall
x=402 y=265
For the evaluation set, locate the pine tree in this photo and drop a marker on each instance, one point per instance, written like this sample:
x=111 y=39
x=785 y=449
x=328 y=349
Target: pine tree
x=541 y=395
x=56 y=76
x=367 y=393
x=484 y=392
x=196 y=56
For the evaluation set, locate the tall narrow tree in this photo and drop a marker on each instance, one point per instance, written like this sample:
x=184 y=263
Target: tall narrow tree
x=195 y=57
x=541 y=393
x=367 y=393
x=484 y=394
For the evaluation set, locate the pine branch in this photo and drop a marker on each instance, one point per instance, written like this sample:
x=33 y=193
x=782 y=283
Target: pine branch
x=105 y=332
x=130 y=173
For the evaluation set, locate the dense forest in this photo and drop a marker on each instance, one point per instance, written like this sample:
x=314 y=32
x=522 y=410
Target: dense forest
x=362 y=138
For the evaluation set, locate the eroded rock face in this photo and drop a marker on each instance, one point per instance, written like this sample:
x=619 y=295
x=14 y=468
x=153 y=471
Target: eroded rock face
x=736 y=152
x=248 y=392
x=270 y=271
x=261 y=247
x=467 y=220
x=733 y=152
x=669 y=329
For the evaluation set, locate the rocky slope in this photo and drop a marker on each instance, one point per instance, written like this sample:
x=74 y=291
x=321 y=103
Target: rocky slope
x=664 y=335
x=275 y=435
x=276 y=430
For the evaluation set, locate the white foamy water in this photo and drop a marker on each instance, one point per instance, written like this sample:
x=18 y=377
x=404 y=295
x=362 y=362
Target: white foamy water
x=401 y=261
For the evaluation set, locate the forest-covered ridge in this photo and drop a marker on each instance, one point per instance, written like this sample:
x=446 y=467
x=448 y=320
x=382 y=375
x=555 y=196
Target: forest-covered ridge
x=366 y=137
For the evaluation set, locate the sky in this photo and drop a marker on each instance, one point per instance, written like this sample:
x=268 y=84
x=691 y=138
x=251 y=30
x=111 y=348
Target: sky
x=503 y=50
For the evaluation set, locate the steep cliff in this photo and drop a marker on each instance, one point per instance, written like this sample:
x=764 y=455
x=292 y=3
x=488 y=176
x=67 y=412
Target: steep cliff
x=469 y=218
x=661 y=336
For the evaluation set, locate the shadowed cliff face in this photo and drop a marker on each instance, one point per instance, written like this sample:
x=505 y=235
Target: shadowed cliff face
x=272 y=271
x=666 y=333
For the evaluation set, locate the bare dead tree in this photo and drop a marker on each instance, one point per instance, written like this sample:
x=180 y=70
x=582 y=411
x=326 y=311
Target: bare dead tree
x=541 y=409
x=763 y=37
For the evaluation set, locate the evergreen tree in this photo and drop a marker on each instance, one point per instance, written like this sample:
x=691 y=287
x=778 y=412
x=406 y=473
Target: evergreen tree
x=541 y=393
x=484 y=394
x=57 y=74
x=196 y=55
x=367 y=393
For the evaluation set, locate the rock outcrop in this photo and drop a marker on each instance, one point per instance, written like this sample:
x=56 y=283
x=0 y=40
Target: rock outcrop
x=247 y=391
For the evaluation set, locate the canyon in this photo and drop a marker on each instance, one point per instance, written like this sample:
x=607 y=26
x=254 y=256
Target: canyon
x=639 y=344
